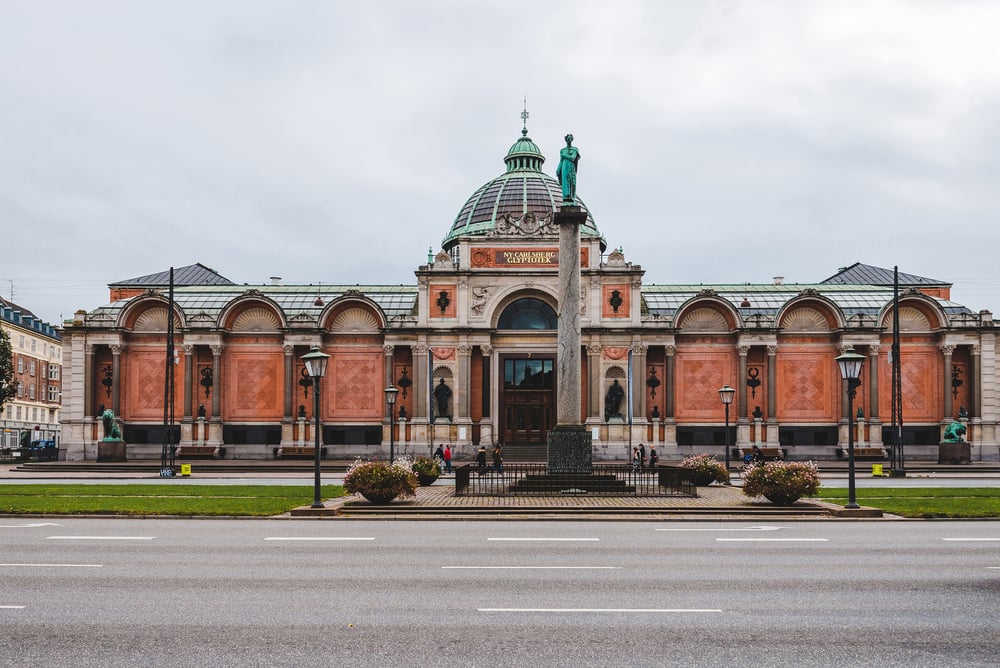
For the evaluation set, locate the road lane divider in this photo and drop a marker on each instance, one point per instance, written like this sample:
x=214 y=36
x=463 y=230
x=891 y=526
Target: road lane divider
x=534 y=568
x=52 y=565
x=317 y=538
x=773 y=540
x=972 y=540
x=611 y=610
x=544 y=539
x=100 y=537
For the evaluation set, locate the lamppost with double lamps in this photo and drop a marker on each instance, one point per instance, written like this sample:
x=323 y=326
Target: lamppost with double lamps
x=315 y=362
x=727 y=393
x=390 y=402
x=850 y=370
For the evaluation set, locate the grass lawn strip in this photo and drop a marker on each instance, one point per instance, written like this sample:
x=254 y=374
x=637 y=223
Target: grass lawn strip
x=167 y=499
x=924 y=502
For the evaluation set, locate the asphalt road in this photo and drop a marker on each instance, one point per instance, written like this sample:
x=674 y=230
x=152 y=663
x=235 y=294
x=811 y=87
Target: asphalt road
x=290 y=592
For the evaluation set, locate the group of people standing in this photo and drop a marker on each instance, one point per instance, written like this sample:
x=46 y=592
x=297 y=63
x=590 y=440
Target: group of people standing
x=443 y=454
x=497 y=459
x=639 y=462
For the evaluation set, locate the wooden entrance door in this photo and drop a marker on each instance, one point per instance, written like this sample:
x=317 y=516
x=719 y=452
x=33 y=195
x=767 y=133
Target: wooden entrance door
x=528 y=400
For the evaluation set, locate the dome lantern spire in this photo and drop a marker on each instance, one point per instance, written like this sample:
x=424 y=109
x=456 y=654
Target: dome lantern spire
x=524 y=155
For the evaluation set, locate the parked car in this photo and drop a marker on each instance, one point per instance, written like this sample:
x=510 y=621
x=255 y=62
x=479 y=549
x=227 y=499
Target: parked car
x=40 y=450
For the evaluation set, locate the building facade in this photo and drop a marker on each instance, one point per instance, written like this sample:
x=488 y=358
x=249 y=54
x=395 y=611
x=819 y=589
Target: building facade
x=37 y=356
x=471 y=347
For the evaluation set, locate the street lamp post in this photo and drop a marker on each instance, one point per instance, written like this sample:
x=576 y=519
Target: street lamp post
x=727 y=393
x=315 y=364
x=390 y=402
x=850 y=370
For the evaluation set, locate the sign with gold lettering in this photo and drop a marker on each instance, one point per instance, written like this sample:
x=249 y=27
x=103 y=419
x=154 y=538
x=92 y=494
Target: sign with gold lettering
x=520 y=257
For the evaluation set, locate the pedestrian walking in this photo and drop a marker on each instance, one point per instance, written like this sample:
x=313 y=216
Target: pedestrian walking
x=439 y=455
x=481 y=459
x=642 y=456
x=447 y=458
x=653 y=457
x=636 y=461
x=498 y=458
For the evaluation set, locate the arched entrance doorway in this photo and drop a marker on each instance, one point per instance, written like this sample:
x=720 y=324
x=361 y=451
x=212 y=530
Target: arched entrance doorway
x=527 y=390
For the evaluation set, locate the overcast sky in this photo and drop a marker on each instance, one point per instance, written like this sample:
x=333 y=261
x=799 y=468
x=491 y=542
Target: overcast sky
x=334 y=142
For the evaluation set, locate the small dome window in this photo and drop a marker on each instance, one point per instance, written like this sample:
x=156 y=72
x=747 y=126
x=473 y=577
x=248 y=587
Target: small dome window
x=528 y=313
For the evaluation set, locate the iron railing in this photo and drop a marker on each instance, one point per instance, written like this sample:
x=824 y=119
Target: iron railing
x=523 y=479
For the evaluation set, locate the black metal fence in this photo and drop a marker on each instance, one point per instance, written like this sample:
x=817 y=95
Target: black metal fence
x=522 y=479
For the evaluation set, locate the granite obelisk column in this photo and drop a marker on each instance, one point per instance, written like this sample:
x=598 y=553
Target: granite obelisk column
x=569 y=444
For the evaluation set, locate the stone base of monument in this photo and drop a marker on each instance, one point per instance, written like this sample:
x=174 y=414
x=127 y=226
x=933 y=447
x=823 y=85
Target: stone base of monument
x=955 y=453
x=569 y=484
x=111 y=450
x=570 y=450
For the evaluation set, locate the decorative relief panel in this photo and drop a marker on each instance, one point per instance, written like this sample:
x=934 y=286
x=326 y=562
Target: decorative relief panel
x=143 y=385
x=154 y=320
x=699 y=377
x=256 y=319
x=615 y=353
x=615 y=301
x=354 y=388
x=704 y=320
x=805 y=319
x=922 y=381
x=806 y=391
x=442 y=301
x=443 y=353
x=254 y=389
x=354 y=319
x=910 y=320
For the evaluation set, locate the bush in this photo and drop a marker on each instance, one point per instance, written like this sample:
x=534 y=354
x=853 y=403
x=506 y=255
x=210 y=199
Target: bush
x=706 y=469
x=427 y=470
x=381 y=482
x=782 y=483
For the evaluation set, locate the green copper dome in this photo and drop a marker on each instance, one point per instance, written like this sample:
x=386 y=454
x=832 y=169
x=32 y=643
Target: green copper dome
x=523 y=189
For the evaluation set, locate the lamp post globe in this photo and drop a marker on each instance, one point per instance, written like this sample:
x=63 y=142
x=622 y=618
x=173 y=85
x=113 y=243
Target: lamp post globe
x=726 y=394
x=315 y=367
x=850 y=364
x=390 y=401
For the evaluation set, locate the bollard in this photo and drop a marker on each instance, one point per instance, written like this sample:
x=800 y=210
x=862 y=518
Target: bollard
x=185 y=469
x=876 y=470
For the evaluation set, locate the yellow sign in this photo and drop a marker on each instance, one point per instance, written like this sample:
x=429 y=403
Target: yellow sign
x=876 y=470
x=185 y=469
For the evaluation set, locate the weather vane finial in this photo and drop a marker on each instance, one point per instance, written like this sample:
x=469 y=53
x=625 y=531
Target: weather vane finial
x=524 y=117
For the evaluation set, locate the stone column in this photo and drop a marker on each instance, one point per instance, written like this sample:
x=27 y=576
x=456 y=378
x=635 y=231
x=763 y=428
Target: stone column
x=639 y=382
x=463 y=405
x=88 y=380
x=489 y=410
x=946 y=351
x=387 y=359
x=215 y=422
x=116 y=365
x=670 y=383
x=975 y=400
x=742 y=421
x=772 y=397
x=570 y=448
x=420 y=418
x=594 y=383
x=287 y=420
x=874 y=422
x=187 y=420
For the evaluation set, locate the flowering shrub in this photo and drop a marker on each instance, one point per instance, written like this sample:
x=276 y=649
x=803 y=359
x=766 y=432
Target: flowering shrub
x=705 y=469
x=427 y=470
x=381 y=482
x=782 y=483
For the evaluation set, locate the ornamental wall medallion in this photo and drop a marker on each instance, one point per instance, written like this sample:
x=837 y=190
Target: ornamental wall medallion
x=443 y=353
x=615 y=353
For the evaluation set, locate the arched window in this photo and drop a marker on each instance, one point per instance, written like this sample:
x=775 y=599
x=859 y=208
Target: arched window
x=528 y=313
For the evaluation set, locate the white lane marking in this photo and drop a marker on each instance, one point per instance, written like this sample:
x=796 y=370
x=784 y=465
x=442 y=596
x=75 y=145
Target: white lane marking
x=28 y=526
x=53 y=565
x=772 y=540
x=760 y=528
x=599 y=610
x=594 y=540
x=971 y=540
x=306 y=538
x=99 y=537
x=12 y=607
x=993 y=568
x=535 y=568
